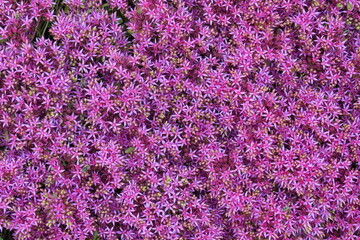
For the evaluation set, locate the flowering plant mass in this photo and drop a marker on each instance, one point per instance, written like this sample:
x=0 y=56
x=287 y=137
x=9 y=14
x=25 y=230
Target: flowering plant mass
x=184 y=119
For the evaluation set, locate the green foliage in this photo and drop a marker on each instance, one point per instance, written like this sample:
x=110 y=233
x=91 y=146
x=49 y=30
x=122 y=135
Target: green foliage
x=2 y=40
x=129 y=150
x=96 y=236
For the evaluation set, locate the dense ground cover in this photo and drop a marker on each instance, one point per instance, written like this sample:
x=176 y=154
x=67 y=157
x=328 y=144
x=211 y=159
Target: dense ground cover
x=184 y=119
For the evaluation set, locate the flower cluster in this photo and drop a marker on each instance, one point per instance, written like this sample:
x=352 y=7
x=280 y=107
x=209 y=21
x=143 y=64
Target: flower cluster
x=184 y=119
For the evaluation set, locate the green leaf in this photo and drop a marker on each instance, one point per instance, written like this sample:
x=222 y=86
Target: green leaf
x=286 y=209
x=2 y=41
x=138 y=10
x=184 y=181
x=85 y=168
x=66 y=9
x=6 y=135
x=96 y=236
x=129 y=150
x=168 y=180
x=130 y=32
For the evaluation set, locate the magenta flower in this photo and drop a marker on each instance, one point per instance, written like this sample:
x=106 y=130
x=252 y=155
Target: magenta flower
x=182 y=119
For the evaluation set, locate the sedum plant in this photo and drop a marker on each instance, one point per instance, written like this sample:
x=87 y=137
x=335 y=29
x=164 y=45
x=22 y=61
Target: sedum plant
x=185 y=119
